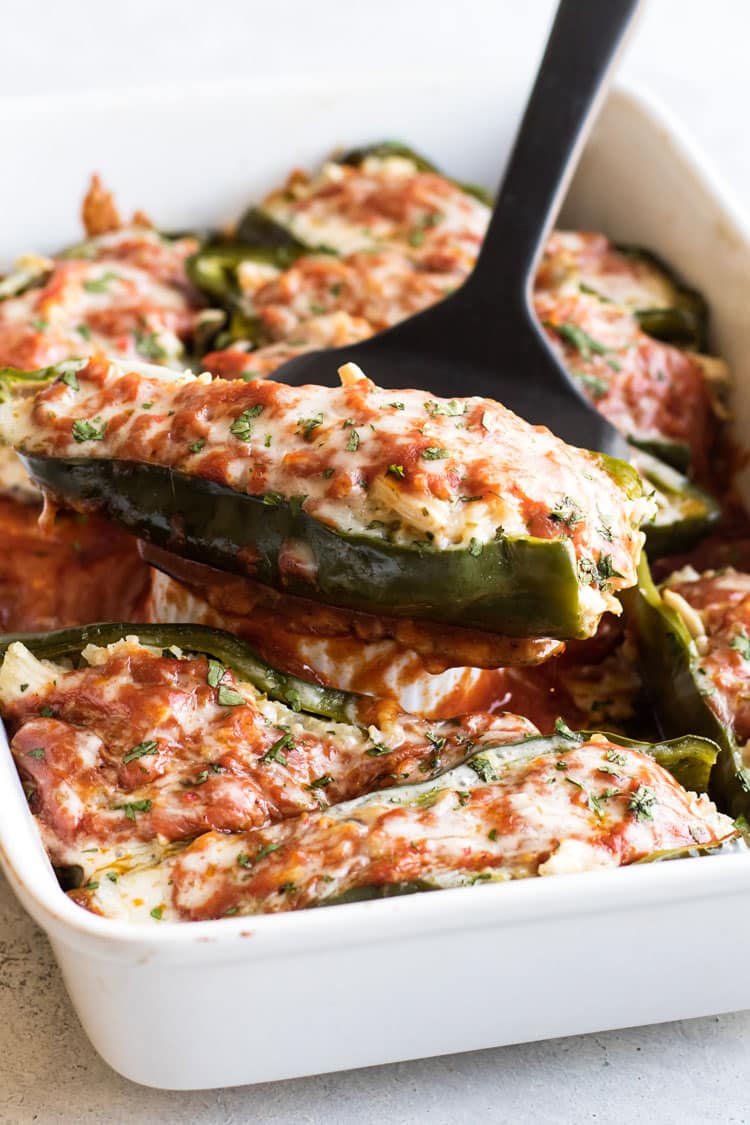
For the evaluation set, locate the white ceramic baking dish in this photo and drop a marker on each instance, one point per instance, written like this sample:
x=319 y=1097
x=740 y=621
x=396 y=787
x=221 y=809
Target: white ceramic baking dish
x=247 y=1000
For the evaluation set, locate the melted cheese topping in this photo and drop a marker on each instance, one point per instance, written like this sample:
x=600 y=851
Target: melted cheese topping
x=124 y=293
x=506 y=814
x=401 y=466
x=382 y=202
x=136 y=747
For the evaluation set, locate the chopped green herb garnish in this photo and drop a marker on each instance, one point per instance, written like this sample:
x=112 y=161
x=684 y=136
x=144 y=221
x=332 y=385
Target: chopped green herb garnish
x=434 y=453
x=483 y=768
x=616 y=758
x=450 y=409
x=642 y=802
x=112 y=876
x=142 y=750
x=228 y=697
x=492 y=834
x=741 y=643
x=567 y=511
x=287 y=888
x=70 y=379
x=37 y=753
x=378 y=749
x=396 y=470
x=242 y=426
x=308 y=426
x=353 y=443
x=157 y=913
x=275 y=754
x=197 y=446
x=83 y=330
x=100 y=284
x=88 y=431
x=133 y=807
x=48 y=713
x=216 y=672
x=147 y=344
x=320 y=782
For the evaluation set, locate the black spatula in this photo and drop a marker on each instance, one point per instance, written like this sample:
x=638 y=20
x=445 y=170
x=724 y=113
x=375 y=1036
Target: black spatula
x=484 y=339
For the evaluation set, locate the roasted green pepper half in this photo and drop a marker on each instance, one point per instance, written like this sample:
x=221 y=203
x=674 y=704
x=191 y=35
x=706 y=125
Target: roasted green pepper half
x=300 y=695
x=670 y=663
x=522 y=587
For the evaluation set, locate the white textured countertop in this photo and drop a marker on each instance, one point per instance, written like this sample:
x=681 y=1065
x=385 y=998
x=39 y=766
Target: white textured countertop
x=694 y=56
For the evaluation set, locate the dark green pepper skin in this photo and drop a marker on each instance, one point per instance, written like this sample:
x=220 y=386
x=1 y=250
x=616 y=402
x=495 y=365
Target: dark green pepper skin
x=300 y=695
x=517 y=587
x=685 y=323
x=669 y=661
x=686 y=513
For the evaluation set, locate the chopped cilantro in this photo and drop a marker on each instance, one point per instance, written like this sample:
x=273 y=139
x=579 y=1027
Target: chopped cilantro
x=83 y=330
x=157 y=913
x=275 y=754
x=228 y=697
x=88 y=431
x=642 y=802
x=378 y=749
x=216 y=672
x=566 y=511
x=133 y=807
x=450 y=409
x=70 y=379
x=37 y=753
x=434 y=453
x=147 y=344
x=197 y=446
x=320 y=782
x=242 y=426
x=308 y=426
x=741 y=643
x=353 y=443
x=482 y=768
x=100 y=284
x=396 y=470
x=142 y=750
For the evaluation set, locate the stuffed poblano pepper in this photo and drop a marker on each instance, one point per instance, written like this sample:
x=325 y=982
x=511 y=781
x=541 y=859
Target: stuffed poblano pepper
x=693 y=633
x=129 y=735
x=545 y=806
x=123 y=291
x=393 y=503
x=374 y=237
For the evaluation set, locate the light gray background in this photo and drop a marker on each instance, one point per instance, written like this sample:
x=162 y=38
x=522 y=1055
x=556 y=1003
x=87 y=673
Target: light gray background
x=694 y=55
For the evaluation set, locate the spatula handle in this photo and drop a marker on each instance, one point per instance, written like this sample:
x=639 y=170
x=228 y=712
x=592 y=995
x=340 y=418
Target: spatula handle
x=584 y=42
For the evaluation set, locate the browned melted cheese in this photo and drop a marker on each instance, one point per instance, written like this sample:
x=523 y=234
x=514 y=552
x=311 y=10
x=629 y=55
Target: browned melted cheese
x=515 y=813
x=139 y=746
